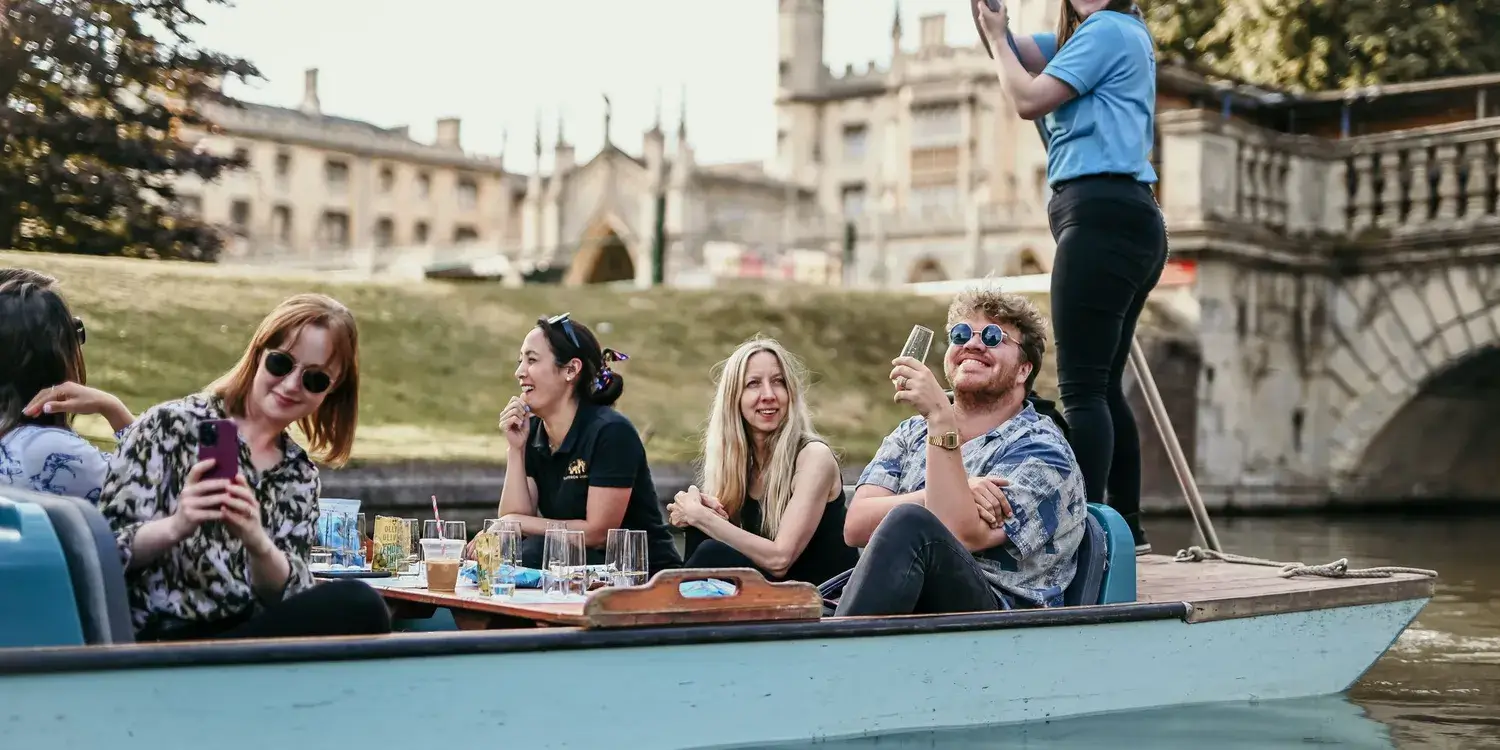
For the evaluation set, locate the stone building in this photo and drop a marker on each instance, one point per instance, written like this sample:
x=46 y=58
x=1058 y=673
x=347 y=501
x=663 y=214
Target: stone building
x=319 y=184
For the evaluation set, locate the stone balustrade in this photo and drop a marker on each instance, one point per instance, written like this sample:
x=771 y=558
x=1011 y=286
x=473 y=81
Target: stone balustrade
x=1254 y=182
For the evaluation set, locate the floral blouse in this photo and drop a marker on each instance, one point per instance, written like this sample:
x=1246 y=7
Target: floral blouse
x=206 y=577
x=53 y=460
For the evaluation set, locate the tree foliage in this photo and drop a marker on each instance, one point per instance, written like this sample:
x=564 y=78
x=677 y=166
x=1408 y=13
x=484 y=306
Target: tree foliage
x=94 y=93
x=1303 y=45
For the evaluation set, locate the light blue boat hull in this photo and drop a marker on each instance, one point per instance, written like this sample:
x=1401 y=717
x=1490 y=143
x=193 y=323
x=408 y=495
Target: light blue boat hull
x=699 y=688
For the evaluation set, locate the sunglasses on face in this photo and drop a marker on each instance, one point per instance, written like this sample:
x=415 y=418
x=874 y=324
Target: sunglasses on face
x=567 y=326
x=991 y=335
x=281 y=364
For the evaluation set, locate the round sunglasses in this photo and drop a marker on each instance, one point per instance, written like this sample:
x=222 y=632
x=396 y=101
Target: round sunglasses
x=991 y=335
x=281 y=364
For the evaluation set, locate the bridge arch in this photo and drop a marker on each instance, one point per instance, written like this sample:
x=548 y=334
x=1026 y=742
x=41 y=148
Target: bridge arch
x=1416 y=383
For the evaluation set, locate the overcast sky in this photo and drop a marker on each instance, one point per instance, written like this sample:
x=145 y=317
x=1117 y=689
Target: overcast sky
x=495 y=62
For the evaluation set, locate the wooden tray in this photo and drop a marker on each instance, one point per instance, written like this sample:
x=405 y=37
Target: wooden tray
x=660 y=602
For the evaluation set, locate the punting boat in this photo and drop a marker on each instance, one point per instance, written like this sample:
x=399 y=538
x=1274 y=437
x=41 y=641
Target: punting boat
x=645 y=667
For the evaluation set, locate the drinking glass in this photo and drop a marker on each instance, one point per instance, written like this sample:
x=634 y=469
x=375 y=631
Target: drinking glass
x=510 y=558
x=635 y=566
x=563 y=562
x=615 y=543
x=414 y=541
x=455 y=530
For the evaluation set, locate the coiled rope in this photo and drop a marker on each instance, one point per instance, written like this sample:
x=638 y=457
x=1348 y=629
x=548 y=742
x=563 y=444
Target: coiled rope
x=1336 y=569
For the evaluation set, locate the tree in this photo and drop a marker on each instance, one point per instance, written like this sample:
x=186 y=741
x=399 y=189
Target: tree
x=1310 y=45
x=94 y=94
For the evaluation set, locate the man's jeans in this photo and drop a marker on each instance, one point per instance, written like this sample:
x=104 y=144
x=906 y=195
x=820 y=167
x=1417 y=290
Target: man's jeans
x=914 y=565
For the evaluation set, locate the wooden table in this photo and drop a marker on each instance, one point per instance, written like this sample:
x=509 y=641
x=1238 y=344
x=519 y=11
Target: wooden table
x=474 y=612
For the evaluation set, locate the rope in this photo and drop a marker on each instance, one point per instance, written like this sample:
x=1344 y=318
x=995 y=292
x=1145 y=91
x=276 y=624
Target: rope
x=1336 y=569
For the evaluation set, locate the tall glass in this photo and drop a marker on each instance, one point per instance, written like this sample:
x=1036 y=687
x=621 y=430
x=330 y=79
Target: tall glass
x=508 y=534
x=564 y=571
x=413 y=541
x=616 y=542
x=636 y=564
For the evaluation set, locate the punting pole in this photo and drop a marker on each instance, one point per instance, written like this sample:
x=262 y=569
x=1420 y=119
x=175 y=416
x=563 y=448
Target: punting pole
x=1148 y=385
x=1174 y=449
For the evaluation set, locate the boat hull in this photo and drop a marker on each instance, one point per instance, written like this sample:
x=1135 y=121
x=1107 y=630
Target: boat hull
x=682 y=687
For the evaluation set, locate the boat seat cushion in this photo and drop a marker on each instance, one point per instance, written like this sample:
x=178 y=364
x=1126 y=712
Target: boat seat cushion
x=94 y=566
x=1088 y=579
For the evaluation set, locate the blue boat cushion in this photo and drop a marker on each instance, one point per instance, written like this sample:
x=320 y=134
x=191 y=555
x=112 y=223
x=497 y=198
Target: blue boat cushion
x=1093 y=552
x=94 y=566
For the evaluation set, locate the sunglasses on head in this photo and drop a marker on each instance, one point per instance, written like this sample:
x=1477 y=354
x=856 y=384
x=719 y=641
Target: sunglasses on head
x=991 y=335
x=83 y=334
x=281 y=364
x=567 y=326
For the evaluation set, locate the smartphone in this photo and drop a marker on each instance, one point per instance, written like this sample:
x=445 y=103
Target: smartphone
x=219 y=439
x=918 y=343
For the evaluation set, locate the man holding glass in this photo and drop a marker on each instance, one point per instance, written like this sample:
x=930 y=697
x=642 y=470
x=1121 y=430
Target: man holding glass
x=975 y=504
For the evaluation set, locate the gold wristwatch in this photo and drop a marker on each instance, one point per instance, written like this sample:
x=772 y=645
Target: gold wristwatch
x=946 y=441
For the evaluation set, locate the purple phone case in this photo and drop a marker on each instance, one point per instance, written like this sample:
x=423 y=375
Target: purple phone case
x=225 y=451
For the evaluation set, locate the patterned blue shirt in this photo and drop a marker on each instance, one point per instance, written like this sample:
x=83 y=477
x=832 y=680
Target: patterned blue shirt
x=52 y=460
x=1038 y=558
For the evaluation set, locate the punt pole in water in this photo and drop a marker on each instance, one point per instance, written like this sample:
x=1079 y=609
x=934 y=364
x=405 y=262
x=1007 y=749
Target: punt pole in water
x=1174 y=449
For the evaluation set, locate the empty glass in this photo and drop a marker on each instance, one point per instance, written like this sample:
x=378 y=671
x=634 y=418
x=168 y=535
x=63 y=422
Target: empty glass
x=563 y=564
x=615 y=543
x=444 y=530
x=413 y=538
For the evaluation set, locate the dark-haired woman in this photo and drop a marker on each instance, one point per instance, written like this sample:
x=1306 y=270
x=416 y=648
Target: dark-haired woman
x=585 y=464
x=1093 y=85
x=42 y=378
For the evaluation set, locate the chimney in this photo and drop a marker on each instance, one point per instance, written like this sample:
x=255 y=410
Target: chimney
x=402 y=130
x=447 y=132
x=310 y=92
x=934 y=30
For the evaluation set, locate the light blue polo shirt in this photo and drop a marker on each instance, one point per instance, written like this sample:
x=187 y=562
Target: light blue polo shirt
x=1108 y=128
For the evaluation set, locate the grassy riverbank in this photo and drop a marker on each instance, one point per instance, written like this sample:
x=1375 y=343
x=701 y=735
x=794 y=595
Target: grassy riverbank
x=438 y=357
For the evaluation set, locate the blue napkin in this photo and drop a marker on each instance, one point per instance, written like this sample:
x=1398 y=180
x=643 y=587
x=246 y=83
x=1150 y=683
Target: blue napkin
x=526 y=578
x=704 y=589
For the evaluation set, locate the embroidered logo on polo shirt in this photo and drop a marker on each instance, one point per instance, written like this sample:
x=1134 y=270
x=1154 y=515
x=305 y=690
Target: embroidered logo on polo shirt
x=578 y=468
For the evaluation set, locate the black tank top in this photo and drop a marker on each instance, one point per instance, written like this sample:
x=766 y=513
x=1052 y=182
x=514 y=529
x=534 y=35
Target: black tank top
x=825 y=556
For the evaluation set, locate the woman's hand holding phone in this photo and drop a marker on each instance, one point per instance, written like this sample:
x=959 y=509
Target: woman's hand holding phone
x=201 y=500
x=242 y=516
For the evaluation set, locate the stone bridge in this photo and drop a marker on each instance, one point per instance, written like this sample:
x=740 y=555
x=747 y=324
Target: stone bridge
x=1349 y=289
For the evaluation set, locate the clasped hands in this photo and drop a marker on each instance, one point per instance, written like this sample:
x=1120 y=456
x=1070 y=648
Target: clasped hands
x=690 y=506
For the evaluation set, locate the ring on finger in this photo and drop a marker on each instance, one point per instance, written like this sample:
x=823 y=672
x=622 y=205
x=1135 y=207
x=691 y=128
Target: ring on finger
x=901 y=382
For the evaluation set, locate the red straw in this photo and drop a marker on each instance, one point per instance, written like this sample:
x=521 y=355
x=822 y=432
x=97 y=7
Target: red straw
x=438 y=518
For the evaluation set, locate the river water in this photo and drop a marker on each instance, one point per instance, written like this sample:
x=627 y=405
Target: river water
x=1438 y=687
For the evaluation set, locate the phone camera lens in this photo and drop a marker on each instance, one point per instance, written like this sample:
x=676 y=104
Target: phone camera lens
x=208 y=435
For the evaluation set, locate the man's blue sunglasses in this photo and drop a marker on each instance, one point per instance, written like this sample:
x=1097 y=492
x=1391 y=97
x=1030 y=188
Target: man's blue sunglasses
x=991 y=335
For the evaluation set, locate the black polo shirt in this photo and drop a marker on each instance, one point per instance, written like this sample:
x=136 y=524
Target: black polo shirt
x=602 y=449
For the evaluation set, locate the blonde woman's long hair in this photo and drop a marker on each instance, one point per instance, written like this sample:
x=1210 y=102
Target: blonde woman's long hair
x=728 y=460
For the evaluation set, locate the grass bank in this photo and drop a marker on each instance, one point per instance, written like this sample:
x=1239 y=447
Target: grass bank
x=438 y=357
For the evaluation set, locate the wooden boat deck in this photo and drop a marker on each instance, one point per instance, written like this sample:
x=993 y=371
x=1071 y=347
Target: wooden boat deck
x=1220 y=590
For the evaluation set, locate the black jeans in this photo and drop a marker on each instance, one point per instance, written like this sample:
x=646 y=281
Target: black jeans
x=914 y=565
x=332 y=608
x=1111 y=248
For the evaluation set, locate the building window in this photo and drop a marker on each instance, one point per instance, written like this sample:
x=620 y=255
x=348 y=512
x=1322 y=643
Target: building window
x=283 y=168
x=281 y=224
x=424 y=185
x=465 y=234
x=387 y=179
x=934 y=199
x=385 y=232
x=468 y=193
x=854 y=200
x=242 y=154
x=855 y=143
x=239 y=217
x=336 y=174
x=333 y=230
x=420 y=232
x=935 y=125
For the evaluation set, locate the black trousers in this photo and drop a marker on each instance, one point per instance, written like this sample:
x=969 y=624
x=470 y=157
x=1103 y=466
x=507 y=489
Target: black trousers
x=1111 y=249
x=333 y=608
x=914 y=565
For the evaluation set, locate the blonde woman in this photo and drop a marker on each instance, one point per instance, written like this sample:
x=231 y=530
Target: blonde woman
x=772 y=496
